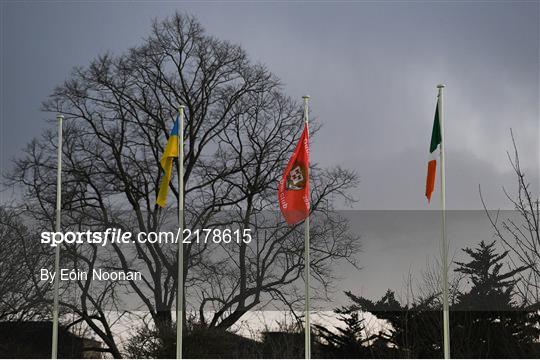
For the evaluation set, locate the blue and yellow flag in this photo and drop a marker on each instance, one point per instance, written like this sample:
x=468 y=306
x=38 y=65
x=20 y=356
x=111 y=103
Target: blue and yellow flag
x=171 y=152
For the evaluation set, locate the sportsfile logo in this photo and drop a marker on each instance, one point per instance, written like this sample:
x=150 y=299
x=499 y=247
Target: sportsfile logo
x=118 y=236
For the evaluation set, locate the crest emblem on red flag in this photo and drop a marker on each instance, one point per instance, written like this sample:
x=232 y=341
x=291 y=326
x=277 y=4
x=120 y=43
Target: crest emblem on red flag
x=297 y=178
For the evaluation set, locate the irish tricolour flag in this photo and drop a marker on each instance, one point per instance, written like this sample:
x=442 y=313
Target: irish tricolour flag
x=432 y=162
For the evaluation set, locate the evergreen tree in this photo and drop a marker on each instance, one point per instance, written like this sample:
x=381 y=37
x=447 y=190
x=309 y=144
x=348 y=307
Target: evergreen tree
x=411 y=330
x=407 y=330
x=345 y=342
x=486 y=321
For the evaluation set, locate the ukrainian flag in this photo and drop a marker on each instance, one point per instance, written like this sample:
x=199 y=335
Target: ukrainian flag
x=171 y=152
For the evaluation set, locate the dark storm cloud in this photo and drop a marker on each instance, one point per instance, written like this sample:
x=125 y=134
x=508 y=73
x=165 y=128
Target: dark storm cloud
x=371 y=70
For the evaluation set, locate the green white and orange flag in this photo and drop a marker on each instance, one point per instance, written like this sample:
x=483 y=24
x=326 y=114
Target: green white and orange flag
x=432 y=162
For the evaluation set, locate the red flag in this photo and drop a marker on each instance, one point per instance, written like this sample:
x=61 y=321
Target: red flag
x=293 y=190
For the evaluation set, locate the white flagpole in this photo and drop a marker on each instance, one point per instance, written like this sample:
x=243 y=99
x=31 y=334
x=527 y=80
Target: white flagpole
x=444 y=242
x=180 y=287
x=307 y=330
x=54 y=345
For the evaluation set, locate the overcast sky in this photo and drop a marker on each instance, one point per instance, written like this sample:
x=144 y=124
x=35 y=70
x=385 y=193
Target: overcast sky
x=371 y=70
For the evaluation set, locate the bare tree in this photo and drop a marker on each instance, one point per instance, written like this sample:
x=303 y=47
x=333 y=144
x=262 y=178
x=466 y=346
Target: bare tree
x=520 y=232
x=240 y=130
x=21 y=294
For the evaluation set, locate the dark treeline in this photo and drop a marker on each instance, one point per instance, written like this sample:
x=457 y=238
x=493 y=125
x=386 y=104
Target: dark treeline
x=485 y=321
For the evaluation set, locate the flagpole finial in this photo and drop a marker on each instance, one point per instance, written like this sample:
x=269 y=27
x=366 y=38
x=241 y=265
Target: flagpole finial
x=305 y=117
x=441 y=86
x=59 y=116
